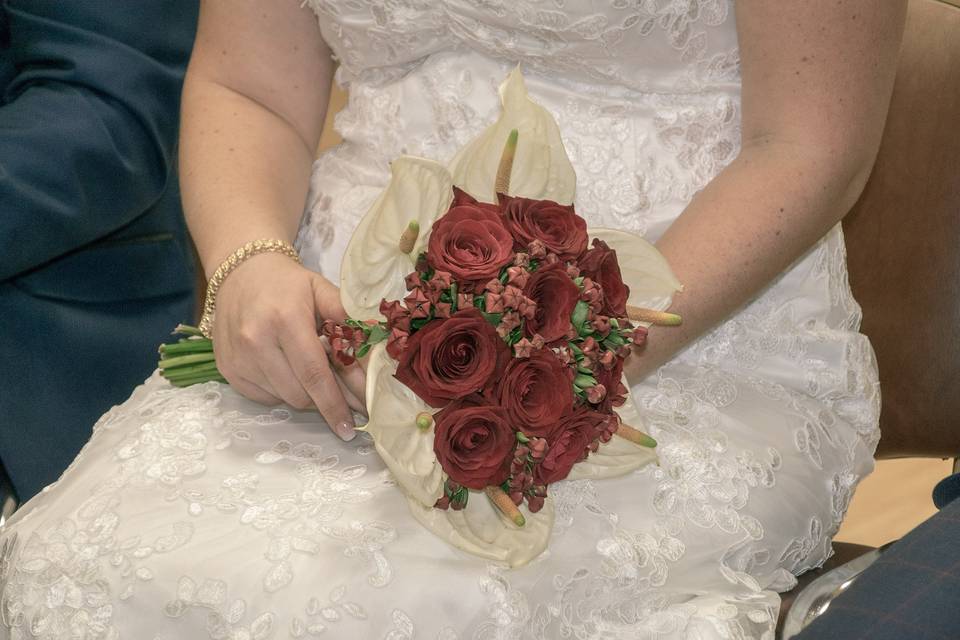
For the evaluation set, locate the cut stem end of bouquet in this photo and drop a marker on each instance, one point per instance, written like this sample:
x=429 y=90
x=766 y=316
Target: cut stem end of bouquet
x=639 y=314
x=635 y=436
x=502 y=501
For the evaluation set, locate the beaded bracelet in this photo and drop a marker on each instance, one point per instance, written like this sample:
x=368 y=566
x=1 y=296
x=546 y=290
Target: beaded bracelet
x=234 y=260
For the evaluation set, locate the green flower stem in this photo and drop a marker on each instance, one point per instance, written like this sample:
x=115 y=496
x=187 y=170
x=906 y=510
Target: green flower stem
x=191 y=370
x=186 y=346
x=186 y=382
x=187 y=330
x=179 y=361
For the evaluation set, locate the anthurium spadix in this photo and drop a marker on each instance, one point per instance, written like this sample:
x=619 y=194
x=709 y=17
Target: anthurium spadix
x=384 y=249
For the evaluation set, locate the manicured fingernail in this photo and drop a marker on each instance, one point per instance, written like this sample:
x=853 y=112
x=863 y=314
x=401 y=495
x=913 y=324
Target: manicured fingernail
x=345 y=431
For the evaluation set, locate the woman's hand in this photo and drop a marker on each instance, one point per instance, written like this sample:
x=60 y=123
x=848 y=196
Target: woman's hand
x=266 y=342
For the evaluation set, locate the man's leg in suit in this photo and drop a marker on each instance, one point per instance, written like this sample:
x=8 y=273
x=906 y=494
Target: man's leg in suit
x=912 y=591
x=63 y=365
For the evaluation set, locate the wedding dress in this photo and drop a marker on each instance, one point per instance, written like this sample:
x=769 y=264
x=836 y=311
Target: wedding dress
x=196 y=513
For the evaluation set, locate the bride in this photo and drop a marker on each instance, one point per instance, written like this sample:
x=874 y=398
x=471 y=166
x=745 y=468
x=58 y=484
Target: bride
x=735 y=137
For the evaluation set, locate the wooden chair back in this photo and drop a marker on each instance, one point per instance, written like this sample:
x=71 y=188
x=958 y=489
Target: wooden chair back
x=903 y=243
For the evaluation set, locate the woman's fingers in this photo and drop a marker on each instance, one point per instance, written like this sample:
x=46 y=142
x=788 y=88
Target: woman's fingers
x=308 y=360
x=282 y=379
x=252 y=391
x=352 y=379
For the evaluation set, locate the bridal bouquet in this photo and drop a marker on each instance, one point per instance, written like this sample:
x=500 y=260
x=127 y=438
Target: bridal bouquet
x=496 y=332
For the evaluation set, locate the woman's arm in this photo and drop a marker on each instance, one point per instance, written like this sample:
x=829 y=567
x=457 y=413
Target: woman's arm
x=817 y=77
x=253 y=106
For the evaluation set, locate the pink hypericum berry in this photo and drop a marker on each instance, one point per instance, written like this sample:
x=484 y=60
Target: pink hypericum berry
x=441 y=280
x=534 y=503
x=397 y=343
x=494 y=286
x=523 y=348
x=596 y=393
x=527 y=308
x=413 y=280
x=537 y=249
x=640 y=336
x=518 y=276
x=512 y=297
x=508 y=322
x=418 y=304
x=494 y=303
x=601 y=324
x=396 y=314
x=564 y=354
x=607 y=358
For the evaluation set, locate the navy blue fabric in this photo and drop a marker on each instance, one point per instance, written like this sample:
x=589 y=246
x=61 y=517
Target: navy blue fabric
x=946 y=491
x=95 y=261
x=912 y=592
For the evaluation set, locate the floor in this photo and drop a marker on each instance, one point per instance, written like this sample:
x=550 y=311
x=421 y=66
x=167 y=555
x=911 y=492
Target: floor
x=893 y=500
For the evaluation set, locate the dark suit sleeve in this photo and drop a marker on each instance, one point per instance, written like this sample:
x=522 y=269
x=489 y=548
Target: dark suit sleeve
x=88 y=124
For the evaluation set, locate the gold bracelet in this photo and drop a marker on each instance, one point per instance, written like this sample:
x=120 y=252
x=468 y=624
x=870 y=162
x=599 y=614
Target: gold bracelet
x=235 y=259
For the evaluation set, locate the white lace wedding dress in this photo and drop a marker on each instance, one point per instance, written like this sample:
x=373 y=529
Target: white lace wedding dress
x=195 y=513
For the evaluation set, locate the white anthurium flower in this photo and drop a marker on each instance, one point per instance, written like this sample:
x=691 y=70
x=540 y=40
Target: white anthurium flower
x=643 y=268
x=541 y=168
x=483 y=531
x=374 y=266
x=407 y=451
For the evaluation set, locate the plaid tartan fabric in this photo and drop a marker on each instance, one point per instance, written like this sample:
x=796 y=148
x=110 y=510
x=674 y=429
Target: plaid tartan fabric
x=911 y=593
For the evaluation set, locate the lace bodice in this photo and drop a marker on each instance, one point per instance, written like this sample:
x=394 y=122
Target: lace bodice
x=673 y=46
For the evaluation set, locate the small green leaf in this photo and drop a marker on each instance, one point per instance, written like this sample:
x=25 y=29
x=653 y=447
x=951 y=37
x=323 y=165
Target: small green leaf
x=363 y=350
x=578 y=282
x=614 y=323
x=584 y=381
x=579 y=314
x=418 y=323
x=453 y=297
x=577 y=351
x=522 y=437
x=492 y=318
x=378 y=333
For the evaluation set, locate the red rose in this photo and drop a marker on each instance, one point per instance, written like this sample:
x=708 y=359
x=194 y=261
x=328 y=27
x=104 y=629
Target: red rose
x=474 y=443
x=555 y=296
x=461 y=197
x=600 y=265
x=536 y=392
x=560 y=230
x=471 y=243
x=569 y=445
x=612 y=381
x=452 y=358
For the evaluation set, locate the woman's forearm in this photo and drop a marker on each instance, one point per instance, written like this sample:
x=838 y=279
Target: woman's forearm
x=765 y=210
x=254 y=100
x=244 y=171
